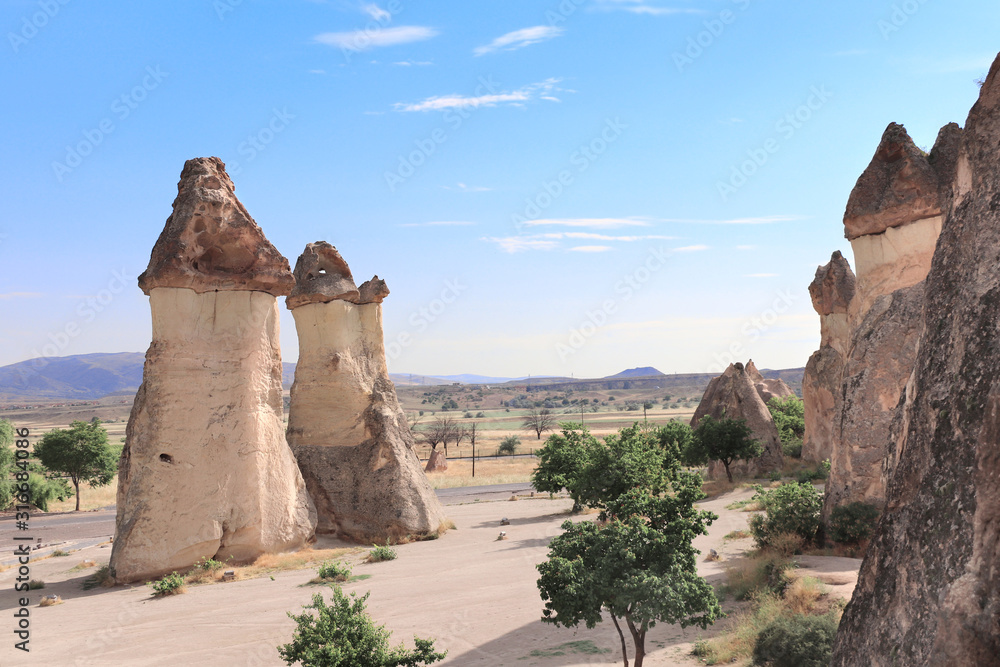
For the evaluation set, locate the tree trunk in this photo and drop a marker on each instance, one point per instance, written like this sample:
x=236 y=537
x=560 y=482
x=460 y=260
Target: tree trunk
x=622 y=636
x=76 y=483
x=639 y=639
x=728 y=473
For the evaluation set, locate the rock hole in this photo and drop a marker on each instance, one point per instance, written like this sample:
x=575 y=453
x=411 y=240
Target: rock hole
x=166 y=458
x=322 y=272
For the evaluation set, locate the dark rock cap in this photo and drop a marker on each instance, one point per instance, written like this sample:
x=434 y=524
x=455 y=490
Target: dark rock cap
x=210 y=242
x=322 y=275
x=833 y=287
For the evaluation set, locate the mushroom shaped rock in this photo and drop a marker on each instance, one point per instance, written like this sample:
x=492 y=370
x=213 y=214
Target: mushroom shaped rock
x=206 y=471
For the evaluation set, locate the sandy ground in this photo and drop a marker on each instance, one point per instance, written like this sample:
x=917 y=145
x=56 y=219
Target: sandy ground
x=474 y=595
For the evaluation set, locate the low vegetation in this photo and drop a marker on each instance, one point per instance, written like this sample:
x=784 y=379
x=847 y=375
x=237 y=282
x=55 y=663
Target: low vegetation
x=381 y=553
x=792 y=508
x=334 y=570
x=170 y=584
x=724 y=440
x=853 y=523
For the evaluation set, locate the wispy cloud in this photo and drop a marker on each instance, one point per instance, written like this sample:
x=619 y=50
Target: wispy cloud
x=514 y=244
x=413 y=63
x=591 y=248
x=375 y=12
x=361 y=40
x=439 y=223
x=515 y=97
x=551 y=240
x=593 y=223
x=762 y=220
x=691 y=248
x=643 y=7
x=519 y=39
x=462 y=187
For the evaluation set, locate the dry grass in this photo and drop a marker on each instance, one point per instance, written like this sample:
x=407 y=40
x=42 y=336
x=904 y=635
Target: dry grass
x=488 y=471
x=740 y=635
x=737 y=535
x=83 y=566
x=808 y=596
x=100 y=579
x=90 y=498
x=299 y=560
x=50 y=601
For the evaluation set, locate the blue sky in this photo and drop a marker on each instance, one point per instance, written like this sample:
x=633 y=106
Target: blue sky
x=557 y=188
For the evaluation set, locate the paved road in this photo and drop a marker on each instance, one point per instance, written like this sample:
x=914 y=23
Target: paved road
x=76 y=530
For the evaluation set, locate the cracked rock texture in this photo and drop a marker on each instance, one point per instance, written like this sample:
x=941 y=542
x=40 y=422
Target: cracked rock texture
x=928 y=591
x=350 y=436
x=206 y=471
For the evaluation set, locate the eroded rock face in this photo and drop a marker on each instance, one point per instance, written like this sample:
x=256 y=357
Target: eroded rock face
x=929 y=588
x=831 y=290
x=206 y=471
x=767 y=388
x=885 y=316
x=733 y=395
x=349 y=434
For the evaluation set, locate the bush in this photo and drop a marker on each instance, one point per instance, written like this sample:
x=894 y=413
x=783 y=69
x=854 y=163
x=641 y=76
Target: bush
x=334 y=570
x=796 y=641
x=35 y=584
x=344 y=635
x=170 y=584
x=379 y=554
x=210 y=564
x=850 y=524
x=819 y=473
x=509 y=445
x=480 y=415
x=792 y=447
x=100 y=579
x=790 y=508
x=766 y=574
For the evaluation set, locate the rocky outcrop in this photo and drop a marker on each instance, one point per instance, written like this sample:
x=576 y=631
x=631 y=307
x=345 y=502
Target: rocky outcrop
x=206 y=471
x=831 y=290
x=767 y=388
x=733 y=395
x=350 y=437
x=928 y=592
x=436 y=462
x=893 y=219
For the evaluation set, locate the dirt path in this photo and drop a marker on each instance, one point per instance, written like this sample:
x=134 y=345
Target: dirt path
x=475 y=595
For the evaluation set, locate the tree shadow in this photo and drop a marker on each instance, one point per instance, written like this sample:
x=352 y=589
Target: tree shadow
x=526 y=521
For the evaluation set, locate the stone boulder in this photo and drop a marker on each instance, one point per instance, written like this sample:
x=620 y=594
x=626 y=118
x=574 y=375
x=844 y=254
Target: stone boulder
x=928 y=591
x=733 y=395
x=345 y=426
x=205 y=471
x=831 y=290
x=436 y=462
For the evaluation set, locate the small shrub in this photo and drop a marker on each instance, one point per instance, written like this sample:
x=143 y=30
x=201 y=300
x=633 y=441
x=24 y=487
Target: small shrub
x=334 y=570
x=803 y=596
x=766 y=574
x=35 y=584
x=790 y=508
x=170 y=584
x=509 y=445
x=59 y=553
x=100 y=579
x=792 y=447
x=480 y=415
x=796 y=641
x=211 y=564
x=850 y=524
x=775 y=476
x=787 y=544
x=379 y=554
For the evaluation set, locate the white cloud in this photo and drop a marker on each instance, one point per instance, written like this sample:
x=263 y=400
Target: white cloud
x=515 y=97
x=626 y=239
x=550 y=240
x=591 y=248
x=363 y=40
x=439 y=223
x=514 y=244
x=691 y=248
x=462 y=187
x=376 y=12
x=762 y=220
x=519 y=39
x=317 y=71
x=413 y=63
x=593 y=223
x=643 y=7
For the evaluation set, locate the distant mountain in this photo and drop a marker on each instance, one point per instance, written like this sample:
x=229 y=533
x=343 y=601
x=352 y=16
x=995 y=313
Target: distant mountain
x=644 y=372
x=82 y=376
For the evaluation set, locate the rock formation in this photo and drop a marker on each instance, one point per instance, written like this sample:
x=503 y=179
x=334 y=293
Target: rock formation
x=350 y=436
x=767 y=388
x=929 y=588
x=206 y=471
x=822 y=397
x=733 y=395
x=436 y=462
x=893 y=219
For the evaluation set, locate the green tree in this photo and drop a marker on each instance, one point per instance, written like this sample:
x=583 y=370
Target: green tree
x=82 y=452
x=509 y=445
x=675 y=436
x=725 y=440
x=344 y=635
x=562 y=459
x=640 y=567
x=632 y=459
x=789 y=418
x=6 y=464
x=790 y=508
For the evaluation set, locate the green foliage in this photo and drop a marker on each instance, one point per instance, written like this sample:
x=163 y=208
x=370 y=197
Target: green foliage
x=509 y=445
x=170 y=584
x=640 y=567
x=725 y=440
x=7 y=468
x=82 y=452
x=789 y=417
x=767 y=573
x=334 y=571
x=796 y=641
x=852 y=523
x=210 y=564
x=562 y=459
x=35 y=584
x=344 y=635
x=792 y=447
x=381 y=553
x=790 y=508
x=42 y=489
x=675 y=437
